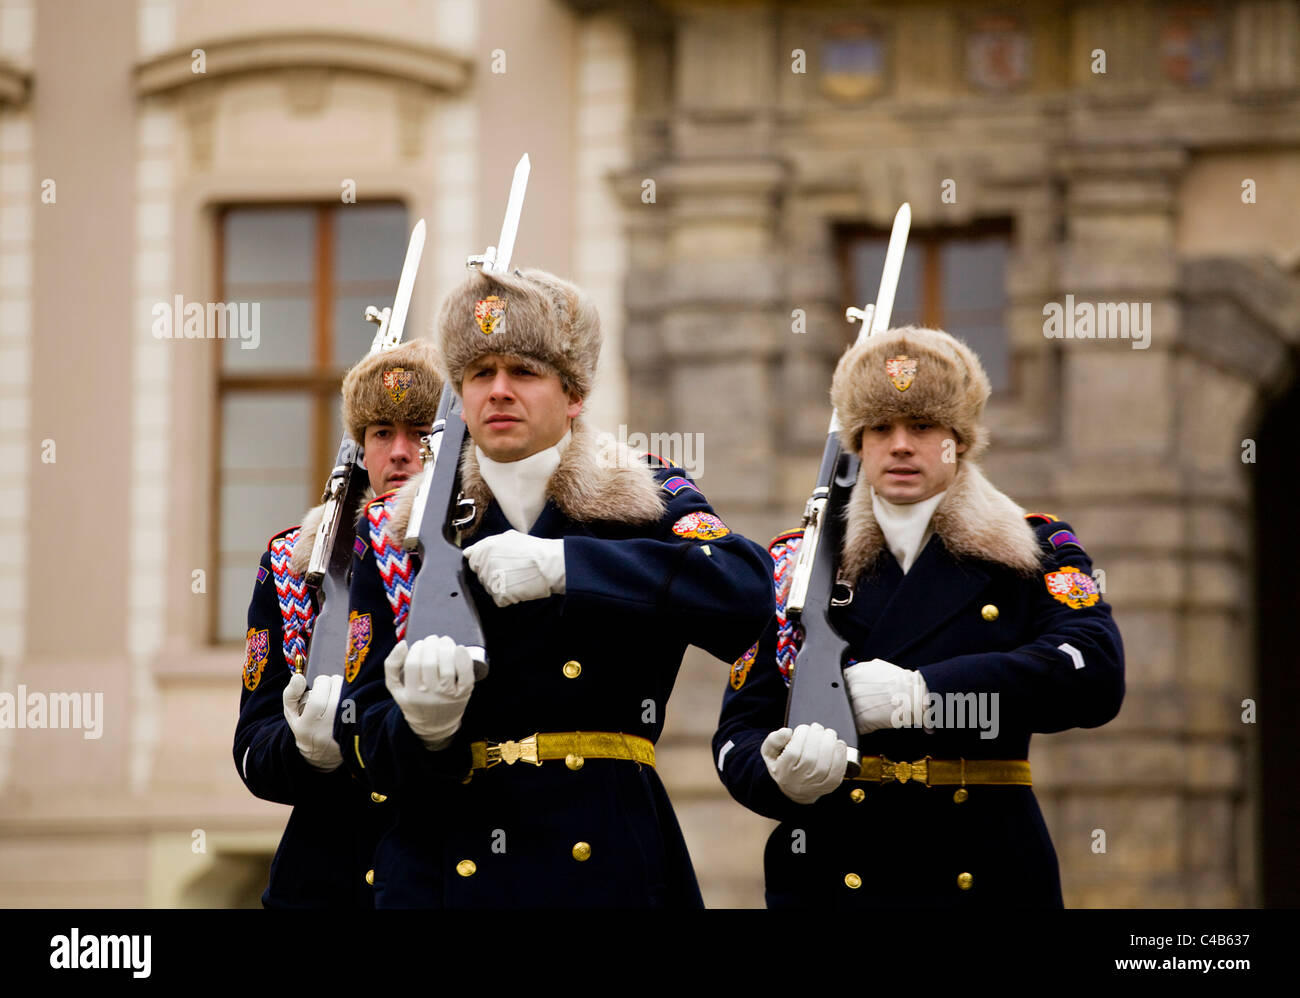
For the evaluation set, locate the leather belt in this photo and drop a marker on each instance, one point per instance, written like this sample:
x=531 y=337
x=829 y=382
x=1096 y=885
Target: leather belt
x=946 y=772
x=571 y=746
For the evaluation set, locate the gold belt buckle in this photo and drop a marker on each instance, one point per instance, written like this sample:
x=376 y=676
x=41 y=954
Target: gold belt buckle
x=904 y=771
x=512 y=752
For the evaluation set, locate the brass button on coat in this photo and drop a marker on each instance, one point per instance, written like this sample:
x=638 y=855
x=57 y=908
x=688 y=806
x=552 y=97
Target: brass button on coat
x=857 y=795
x=960 y=795
x=852 y=881
x=574 y=762
x=964 y=881
x=378 y=798
x=572 y=669
x=990 y=612
x=466 y=868
x=370 y=877
x=581 y=851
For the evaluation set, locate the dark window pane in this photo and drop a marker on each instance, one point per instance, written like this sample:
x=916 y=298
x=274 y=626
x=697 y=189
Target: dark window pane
x=990 y=343
x=283 y=336
x=269 y=244
x=352 y=333
x=370 y=243
x=973 y=272
x=868 y=261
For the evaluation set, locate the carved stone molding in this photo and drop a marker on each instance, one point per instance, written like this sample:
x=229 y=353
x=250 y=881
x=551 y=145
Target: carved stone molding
x=434 y=69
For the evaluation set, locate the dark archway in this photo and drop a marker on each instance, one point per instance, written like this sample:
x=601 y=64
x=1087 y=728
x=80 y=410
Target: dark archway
x=1277 y=602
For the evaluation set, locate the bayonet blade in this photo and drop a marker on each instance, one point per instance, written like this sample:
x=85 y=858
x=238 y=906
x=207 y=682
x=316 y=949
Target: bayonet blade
x=391 y=335
x=514 y=208
x=893 y=268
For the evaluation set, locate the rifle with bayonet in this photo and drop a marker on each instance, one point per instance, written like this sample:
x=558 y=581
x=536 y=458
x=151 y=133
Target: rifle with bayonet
x=818 y=692
x=440 y=599
x=331 y=553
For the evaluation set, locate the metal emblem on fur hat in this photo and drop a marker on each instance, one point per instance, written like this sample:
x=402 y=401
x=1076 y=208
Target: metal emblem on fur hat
x=398 y=382
x=488 y=313
x=901 y=371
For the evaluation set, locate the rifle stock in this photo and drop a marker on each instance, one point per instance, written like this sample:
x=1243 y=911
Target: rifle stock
x=817 y=688
x=440 y=599
x=331 y=554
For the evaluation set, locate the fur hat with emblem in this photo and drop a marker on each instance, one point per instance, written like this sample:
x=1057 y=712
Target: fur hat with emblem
x=529 y=314
x=911 y=373
x=398 y=385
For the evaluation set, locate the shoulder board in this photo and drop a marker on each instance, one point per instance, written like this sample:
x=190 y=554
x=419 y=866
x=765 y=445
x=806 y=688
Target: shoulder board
x=655 y=461
x=784 y=536
x=1041 y=517
x=1061 y=537
x=675 y=483
x=276 y=537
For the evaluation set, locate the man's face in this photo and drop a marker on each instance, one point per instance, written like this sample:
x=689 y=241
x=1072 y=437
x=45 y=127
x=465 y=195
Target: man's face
x=514 y=408
x=904 y=459
x=392 y=454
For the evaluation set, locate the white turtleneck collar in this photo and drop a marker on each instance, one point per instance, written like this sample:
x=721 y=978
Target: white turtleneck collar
x=906 y=526
x=519 y=487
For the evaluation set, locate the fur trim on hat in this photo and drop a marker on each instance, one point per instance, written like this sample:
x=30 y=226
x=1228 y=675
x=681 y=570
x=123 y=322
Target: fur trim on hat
x=300 y=560
x=948 y=386
x=599 y=479
x=538 y=315
x=974 y=520
x=414 y=385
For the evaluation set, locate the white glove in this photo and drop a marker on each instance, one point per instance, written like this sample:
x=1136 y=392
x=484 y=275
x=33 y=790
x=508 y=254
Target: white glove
x=431 y=683
x=514 y=567
x=807 y=762
x=311 y=718
x=885 y=695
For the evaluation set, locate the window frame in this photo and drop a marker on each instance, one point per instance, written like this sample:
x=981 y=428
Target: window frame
x=320 y=384
x=929 y=242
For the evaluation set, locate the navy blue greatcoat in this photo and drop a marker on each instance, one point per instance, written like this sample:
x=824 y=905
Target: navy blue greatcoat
x=325 y=852
x=601 y=657
x=969 y=625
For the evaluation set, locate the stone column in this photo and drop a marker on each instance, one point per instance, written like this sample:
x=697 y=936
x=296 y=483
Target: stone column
x=1162 y=781
x=707 y=324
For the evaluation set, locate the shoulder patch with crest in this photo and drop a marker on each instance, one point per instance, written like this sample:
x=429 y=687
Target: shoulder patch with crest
x=1073 y=587
x=257 y=646
x=700 y=527
x=359 y=634
x=740 y=669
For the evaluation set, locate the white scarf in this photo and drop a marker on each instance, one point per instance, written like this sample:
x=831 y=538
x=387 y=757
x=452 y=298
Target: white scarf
x=906 y=526
x=519 y=487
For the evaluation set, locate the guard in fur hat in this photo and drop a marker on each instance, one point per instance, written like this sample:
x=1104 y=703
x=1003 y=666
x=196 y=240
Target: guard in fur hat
x=972 y=624
x=284 y=741
x=592 y=570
